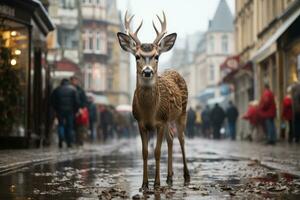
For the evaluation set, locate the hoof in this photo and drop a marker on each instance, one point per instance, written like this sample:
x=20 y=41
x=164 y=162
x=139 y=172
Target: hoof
x=170 y=180
x=144 y=187
x=156 y=185
x=187 y=178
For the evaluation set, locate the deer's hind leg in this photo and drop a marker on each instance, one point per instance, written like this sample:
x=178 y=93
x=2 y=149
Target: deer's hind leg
x=157 y=153
x=180 y=125
x=170 y=137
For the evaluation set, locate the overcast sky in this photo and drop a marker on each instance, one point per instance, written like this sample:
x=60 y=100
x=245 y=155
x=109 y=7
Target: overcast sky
x=183 y=16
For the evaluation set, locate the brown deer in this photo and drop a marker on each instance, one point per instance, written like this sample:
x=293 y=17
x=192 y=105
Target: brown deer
x=158 y=100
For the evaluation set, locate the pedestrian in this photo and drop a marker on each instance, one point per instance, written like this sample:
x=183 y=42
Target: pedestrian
x=296 y=111
x=198 y=121
x=217 y=119
x=206 y=124
x=191 y=116
x=267 y=110
x=80 y=129
x=104 y=124
x=65 y=102
x=287 y=113
x=232 y=115
x=92 y=108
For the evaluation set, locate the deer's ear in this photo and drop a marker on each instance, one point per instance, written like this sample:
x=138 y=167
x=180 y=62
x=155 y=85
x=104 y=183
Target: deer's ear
x=167 y=42
x=126 y=42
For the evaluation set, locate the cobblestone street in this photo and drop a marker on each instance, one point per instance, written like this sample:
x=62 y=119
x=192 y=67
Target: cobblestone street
x=219 y=169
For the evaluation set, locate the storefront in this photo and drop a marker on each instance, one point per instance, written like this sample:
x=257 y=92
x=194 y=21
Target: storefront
x=24 y=76
x=240 y=77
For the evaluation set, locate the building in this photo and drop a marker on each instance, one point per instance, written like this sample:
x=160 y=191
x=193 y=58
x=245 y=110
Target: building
x=86 y=36
x=118 y=61
x=200 y=68
x=24 y=73
x=94 y=45
x=64 y=41
x=268 y=48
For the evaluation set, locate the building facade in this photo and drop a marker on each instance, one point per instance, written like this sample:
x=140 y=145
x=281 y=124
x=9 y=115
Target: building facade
x=86 y=35
x=214 y=46
x=267 y=44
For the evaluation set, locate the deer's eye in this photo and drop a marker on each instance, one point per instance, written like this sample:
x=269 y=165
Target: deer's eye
x=156 y=57
x=137 y=57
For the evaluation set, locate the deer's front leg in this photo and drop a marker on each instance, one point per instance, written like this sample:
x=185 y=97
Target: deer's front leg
x=144 y=137
x=160 y=134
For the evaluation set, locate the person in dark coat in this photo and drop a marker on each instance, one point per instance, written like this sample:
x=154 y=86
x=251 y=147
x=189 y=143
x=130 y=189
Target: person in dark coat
x=232 y=114
x=92 y=108
x=217 y=119
x=190 y=126
x=81 y=93
x=296 y=111
x=80 y=130
x=65 y=102
x=104 y=122
x=206 y=124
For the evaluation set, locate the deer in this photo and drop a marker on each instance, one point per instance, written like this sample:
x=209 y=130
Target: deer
x=158 y=101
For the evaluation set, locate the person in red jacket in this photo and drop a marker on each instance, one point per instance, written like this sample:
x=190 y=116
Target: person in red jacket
x=287 y=113
x=267 y=111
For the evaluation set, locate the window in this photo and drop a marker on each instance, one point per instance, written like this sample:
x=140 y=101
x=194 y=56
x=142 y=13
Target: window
x=90 y=40
x=211 y=43
x=103 y=42
x=98 y=42
x=224 y=43
x=67 y=3
x=211 y=72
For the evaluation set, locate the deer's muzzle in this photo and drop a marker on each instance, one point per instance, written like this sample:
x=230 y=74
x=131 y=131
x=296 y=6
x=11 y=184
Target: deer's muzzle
x=147 y=72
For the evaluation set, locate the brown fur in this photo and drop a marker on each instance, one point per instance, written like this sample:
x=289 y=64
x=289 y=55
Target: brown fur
x=163 y=103
x=158 y=100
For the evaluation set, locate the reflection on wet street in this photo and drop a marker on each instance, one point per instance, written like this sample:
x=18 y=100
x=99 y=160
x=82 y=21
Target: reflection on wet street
x=118 y=174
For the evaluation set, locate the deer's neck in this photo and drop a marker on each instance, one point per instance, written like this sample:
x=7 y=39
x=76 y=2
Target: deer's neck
x=148 y=97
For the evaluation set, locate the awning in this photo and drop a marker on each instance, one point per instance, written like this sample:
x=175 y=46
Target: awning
x=270 y=46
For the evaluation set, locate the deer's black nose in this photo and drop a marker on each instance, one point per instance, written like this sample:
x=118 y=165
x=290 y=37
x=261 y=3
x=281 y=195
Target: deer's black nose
x=147 y=72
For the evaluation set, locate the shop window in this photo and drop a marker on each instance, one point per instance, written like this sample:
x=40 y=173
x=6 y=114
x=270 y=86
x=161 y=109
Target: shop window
x=13 y=78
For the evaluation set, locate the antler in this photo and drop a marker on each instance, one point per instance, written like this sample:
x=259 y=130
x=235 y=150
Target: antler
x=127 y=28
x=160 y=35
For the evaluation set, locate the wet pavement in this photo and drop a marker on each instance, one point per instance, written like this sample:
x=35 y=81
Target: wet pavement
x=219 y=170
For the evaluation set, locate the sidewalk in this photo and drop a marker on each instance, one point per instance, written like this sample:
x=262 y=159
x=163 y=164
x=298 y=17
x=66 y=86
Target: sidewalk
x=11 y=160
x=283 y=156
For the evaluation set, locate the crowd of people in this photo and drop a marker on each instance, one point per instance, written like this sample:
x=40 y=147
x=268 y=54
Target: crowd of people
x=209 y=123
x=218 y=123
x=262 y=115
x=79 y=118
